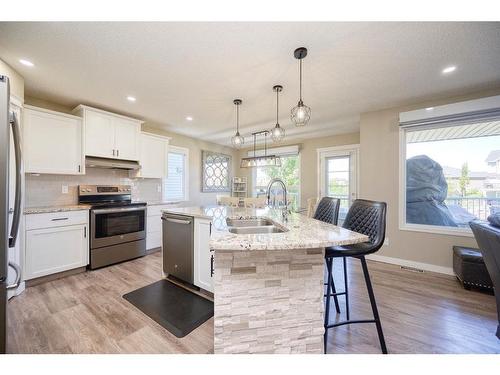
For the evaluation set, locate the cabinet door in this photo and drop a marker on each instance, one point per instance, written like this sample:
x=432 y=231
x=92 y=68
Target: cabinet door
x=153 y=157
x=52 y=143
x=55 y=250
x=202 y=255
x=99 y=135
x=126 y=138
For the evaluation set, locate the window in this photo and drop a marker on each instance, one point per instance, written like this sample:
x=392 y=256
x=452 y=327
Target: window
x=338 y=175
x=289 y=172
x=216 y=172
x=451 y=173
x=176 y=186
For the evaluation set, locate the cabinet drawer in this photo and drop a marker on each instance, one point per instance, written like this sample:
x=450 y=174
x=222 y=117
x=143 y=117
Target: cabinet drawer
x=56 y=219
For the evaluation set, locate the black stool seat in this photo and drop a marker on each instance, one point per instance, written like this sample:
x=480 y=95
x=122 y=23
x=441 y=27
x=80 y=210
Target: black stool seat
x=348 y=250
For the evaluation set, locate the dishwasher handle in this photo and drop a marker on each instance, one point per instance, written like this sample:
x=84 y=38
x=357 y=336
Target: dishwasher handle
x=178 y=221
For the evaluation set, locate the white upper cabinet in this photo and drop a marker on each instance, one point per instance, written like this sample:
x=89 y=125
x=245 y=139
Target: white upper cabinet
x=99 y=135
x=153 y=156
x=109 y=135
x=52 y=142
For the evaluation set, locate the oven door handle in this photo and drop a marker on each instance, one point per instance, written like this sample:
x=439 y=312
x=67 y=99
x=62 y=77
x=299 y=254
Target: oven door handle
x=118 y=210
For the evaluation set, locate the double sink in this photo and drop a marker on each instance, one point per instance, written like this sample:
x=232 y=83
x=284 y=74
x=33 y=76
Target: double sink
x=254 y=226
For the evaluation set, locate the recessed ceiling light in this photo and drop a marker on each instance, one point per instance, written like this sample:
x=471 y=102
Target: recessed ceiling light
x=26 y=62
x=449 y=69
x=131 y=99
x=429 y=108
x=189 y=118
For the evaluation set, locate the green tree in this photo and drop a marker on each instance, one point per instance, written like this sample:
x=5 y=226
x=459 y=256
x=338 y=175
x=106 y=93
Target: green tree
x=464 y=180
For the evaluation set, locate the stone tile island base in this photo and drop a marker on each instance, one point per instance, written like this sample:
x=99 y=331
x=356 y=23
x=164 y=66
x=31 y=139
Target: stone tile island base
x=269 y=301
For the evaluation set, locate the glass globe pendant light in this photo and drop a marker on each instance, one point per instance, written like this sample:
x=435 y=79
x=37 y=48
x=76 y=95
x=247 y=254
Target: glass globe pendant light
x=237 y=140
x=300 y=114
x=277 y=133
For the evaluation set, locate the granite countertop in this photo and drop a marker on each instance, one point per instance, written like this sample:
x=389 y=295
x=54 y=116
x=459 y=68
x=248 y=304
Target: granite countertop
x=60 y=208
x=303 y=232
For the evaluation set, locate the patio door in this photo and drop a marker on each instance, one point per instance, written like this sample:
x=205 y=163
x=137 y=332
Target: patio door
x=338 y=170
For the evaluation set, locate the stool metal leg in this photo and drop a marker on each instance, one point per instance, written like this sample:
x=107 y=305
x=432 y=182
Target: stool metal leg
x=327 y=306
x=374 y=305
x=334 y=290
x=346 y=289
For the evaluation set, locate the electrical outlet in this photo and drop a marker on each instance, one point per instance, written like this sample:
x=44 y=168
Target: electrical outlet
x=158 y=188
x=64 y=189
x=386 y=241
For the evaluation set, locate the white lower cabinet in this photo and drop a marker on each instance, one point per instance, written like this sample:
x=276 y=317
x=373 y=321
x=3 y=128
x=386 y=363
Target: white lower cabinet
x=153 y=227
x=52 y=247
x=203 y=257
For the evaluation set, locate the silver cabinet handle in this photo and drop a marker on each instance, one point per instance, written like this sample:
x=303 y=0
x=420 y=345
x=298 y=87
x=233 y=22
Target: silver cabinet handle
x=117 y=152
x=18 y=276
x=60 y=218
x=113 y=152
x=178 y=221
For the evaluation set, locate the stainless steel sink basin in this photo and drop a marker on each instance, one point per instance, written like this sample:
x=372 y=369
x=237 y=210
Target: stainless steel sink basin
x=238 y=223
x=257 y=230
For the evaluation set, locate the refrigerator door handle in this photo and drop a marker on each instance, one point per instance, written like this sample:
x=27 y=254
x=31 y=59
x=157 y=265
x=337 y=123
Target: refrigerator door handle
x=18 y=276
x=17 y=201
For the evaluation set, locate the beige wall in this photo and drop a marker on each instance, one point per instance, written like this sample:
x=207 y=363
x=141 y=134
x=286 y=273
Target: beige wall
x=308 y=161
x=379 y=180
x=16 y=81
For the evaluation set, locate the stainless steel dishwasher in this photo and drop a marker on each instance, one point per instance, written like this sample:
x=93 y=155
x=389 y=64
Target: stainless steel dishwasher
x=178 y=246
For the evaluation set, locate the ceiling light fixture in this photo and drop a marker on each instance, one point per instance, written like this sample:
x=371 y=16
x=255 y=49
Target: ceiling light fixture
x=260 y=161
x=131 y=99
x=449 y=69
x=237 y=140
x=26 y=62
x=277 y=133
x=300 y=114
x=189 y=118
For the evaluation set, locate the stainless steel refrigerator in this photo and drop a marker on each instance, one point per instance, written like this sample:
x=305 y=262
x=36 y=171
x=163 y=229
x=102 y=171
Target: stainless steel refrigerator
x=9 y=228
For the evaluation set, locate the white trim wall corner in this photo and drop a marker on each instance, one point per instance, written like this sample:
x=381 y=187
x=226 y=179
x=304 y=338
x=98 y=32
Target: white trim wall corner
x=461 y=113
x=184 y=151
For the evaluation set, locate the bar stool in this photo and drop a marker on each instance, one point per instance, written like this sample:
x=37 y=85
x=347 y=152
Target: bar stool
x=328 y=212
x=366 y=217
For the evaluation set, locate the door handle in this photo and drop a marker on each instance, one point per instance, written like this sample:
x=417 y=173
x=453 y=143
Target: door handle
x=18 y=276
x=60 y=219
x=117 y=152
x=17 y=200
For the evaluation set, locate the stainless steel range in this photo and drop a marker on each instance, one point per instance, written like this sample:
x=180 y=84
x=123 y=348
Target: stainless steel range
x=117 y=225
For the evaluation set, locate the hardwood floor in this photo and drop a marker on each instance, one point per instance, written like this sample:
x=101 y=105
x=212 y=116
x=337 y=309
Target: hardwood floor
x=85 y=313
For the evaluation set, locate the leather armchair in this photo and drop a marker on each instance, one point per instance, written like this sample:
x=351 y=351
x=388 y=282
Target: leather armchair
x=488 y=239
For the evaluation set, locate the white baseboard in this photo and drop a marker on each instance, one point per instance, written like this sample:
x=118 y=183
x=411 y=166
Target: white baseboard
x=410 y=263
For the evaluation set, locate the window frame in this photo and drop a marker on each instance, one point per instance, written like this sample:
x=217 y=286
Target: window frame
x=184 y=151
x=299 y=193
x=403 y=225
x=204 y=187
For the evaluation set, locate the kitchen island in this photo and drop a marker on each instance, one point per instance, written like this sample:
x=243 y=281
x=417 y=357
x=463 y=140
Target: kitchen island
x=268 y=287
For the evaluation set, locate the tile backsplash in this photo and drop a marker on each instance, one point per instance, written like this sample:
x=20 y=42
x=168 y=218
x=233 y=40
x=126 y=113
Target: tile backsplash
x=46 y=189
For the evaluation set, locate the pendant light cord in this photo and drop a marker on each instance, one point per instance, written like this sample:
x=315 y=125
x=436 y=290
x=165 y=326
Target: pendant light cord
x=277 y=106
x=237 y=118
x=300 y=80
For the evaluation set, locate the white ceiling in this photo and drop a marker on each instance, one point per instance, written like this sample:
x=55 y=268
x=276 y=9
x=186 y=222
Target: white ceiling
x=197 y=69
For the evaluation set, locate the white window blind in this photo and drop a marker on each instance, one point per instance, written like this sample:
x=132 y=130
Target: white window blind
x=174 y=188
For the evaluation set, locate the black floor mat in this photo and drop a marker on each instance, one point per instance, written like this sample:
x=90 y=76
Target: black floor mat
x=174 y=308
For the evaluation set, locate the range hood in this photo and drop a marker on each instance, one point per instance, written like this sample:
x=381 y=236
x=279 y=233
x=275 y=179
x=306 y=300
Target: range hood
x=93 y=162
